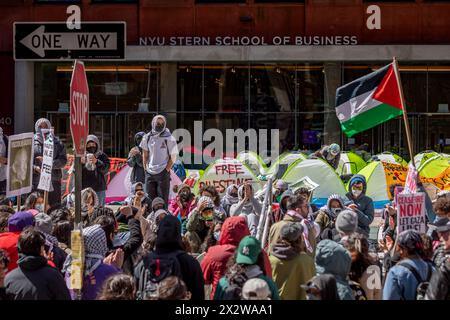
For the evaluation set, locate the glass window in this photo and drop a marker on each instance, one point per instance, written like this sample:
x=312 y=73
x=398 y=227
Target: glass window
x=272 y=88
x=438 y=88
x=190 y=87
x=309 y=88
x=226 y=88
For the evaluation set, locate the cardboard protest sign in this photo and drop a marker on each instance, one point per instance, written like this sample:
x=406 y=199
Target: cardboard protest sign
x=45 y=179
x=411 y=212
x=225 y=172
x=20 y=164
x=77 y=264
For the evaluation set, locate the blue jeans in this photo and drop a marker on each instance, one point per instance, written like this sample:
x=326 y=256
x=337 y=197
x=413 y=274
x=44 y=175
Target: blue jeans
x=101 y=195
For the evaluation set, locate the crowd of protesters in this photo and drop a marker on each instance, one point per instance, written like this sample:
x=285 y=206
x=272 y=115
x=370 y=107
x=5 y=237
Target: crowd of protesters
x=205 y=246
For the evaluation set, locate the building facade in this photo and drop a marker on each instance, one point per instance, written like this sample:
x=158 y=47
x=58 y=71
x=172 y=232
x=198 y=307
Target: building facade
x=239 y=64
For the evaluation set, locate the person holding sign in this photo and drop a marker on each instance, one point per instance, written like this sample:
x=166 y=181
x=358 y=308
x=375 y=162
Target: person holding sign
x=3 y=161
x=159 y=154
x=59 y=161
x=95 y=167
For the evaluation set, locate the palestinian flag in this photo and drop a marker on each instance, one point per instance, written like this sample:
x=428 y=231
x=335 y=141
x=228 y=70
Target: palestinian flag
x=369 y=101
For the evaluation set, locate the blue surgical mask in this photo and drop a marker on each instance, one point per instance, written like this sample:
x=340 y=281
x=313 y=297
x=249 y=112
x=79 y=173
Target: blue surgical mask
x=217 y=235
x=39 y=207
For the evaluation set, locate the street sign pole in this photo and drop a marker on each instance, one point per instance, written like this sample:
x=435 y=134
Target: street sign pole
x=78 y=170
x=79 y=127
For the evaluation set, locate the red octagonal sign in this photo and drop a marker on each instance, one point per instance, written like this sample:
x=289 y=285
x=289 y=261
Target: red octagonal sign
x=79 y=108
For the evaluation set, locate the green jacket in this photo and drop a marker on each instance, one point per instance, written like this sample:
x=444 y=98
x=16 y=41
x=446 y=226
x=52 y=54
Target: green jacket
x=290 y=274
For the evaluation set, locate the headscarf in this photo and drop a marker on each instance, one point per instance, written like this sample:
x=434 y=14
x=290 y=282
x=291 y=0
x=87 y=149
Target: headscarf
x=327 y=208
x=93 y=138
x=41 y=121
x=95 y=247
x=138 y=138
x=228 y=199
x=154 y=120
x=38 y=136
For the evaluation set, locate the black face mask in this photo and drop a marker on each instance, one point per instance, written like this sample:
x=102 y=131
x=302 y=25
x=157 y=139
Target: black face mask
x=91 y=149
x=159 y=127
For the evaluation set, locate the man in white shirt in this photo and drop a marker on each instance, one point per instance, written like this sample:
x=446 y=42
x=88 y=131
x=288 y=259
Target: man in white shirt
x=159 y=154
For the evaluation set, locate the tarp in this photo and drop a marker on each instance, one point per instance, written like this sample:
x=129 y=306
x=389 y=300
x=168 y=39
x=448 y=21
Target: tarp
x=321 y=173
x=287 y=158
x=120 y=186
x=379 y=176
x=350 y=163
x=393 y=158
x=223 y=172
x=253 y=161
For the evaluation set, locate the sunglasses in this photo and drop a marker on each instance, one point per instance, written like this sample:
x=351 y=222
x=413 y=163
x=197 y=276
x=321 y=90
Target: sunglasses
x=137 y=190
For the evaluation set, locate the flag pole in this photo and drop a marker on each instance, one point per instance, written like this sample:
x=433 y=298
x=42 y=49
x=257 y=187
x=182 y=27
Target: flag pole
x=405 y=115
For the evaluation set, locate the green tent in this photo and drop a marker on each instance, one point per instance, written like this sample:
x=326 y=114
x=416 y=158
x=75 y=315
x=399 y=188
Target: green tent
x=350 y=163
x=253 y=161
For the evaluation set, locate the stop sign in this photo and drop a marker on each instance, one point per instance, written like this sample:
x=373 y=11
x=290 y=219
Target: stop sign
x=79 y=108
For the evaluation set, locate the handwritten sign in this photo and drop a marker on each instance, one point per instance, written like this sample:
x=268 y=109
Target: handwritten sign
x=411 y=212
x=45 y=180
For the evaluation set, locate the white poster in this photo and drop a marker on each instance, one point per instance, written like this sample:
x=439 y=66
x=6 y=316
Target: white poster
x=45 y=180
x=411 y=213
x=20 y=164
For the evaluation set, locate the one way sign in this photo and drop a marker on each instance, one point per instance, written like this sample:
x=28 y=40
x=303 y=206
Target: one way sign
x=54 y=41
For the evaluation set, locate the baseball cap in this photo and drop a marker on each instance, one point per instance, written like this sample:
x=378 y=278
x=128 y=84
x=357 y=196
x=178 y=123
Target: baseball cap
x=248 y=250
x=256 y=289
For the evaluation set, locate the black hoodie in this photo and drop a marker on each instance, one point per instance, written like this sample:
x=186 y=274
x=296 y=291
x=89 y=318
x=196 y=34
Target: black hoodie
x=169 y=240
x=34 y=279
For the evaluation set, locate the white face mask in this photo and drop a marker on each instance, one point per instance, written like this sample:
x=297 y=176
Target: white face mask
x=330 y=157
x=356 y=193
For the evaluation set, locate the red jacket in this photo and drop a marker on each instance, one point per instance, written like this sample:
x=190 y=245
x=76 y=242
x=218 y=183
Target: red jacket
x=8 y=242
x=215 y=261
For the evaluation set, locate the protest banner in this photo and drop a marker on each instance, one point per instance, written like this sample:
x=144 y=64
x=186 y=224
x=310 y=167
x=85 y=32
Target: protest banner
x=45 y=179
x=224 y=172
x=411 y=212
x=20 y=164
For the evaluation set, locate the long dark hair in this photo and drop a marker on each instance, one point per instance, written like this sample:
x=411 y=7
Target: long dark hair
x=359 y=244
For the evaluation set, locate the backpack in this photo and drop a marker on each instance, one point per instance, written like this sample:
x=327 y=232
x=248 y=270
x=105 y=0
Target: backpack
x=234 y=289
x=422 y=284
x=157 y=267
